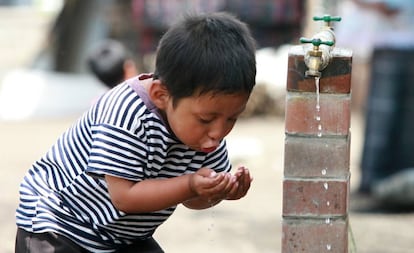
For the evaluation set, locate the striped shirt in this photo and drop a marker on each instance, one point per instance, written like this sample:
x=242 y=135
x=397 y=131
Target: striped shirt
x=65 y=192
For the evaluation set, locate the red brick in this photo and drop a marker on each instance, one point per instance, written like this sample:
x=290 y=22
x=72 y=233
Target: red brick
x=313 y=198
x=317 y=157
x=317 y=152
x=301 y=113
x=335 y=78
x=315 y=235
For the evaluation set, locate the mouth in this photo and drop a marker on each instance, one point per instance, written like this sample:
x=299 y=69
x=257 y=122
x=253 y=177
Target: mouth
x=208 y=150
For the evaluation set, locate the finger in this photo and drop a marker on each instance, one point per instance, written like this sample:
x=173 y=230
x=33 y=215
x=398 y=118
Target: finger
x=205 y=172
x=233 y=193
x=244 y=183
x=215 y=186
x=205 y=186
x=231 y=184
x=215 y=178
x=239 y=171
x=223 y=184
x=221 y=191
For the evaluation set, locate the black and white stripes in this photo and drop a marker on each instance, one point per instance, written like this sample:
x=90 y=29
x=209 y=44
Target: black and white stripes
x=65 y=192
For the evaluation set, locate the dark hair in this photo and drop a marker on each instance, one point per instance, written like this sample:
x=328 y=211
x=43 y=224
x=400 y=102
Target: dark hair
x=206 y=53
x=107 y=62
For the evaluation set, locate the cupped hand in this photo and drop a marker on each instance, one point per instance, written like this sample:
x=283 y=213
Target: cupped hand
x=212 y=186
x=242 y=184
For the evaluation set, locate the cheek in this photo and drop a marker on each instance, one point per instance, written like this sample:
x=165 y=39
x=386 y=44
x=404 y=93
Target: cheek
x=186 y=129
x=229 y=128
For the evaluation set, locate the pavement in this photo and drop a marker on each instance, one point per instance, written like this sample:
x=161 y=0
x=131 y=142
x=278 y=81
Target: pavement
x=250 y=225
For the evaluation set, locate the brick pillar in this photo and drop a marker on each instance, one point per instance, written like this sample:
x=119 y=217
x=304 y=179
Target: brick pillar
x=317 y=151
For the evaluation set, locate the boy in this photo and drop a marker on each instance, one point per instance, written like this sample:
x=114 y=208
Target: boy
x=149 y=144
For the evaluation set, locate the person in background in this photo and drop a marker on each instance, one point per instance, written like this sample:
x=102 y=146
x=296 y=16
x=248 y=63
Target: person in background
x=111 y=63
x=149 y=144
x=387 y=159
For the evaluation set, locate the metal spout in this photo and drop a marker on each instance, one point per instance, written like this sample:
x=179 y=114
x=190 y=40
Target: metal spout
x=313 y=63
x=319 y=56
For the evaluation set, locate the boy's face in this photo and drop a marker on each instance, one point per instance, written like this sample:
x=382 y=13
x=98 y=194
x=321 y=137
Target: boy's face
x=201 y=122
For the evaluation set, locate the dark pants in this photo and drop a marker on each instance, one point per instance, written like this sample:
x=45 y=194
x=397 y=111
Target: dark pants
x=389 y=136
x=27 y=242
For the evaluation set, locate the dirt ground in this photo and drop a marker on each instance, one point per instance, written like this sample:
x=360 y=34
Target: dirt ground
x=251 y=225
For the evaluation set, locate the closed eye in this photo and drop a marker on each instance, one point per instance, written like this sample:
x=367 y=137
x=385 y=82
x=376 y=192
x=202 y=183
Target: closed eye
x=205 y=120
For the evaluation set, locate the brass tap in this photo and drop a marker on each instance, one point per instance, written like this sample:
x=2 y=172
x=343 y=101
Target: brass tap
x=319 y=56
x=316 y=59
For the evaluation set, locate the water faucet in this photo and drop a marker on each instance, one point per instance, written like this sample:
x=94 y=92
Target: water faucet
x=319 y=55
x=316 y=59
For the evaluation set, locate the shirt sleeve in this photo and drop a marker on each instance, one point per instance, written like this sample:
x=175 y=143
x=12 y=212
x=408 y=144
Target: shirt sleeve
x=117 y=152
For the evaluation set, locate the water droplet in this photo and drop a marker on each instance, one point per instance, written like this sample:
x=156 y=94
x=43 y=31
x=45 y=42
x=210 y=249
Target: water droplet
x=319 y=127
x=328 y=220
x=328 y=203
x=324 y=172
x=212 y=216
x=325 y=185
x=319 y=134
x=328 y=246
x=318 y=118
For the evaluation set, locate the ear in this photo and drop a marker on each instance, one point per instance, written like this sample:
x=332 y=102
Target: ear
x=159 y=94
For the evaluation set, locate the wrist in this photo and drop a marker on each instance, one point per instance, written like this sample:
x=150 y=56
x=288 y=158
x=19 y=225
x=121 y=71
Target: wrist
x=191 y=186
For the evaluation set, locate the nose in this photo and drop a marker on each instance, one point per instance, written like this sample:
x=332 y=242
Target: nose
x=218 y=131
x=213 y=138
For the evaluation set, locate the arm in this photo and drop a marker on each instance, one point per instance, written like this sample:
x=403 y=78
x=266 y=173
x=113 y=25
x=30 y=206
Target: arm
x=148 y=195
x=157 y=194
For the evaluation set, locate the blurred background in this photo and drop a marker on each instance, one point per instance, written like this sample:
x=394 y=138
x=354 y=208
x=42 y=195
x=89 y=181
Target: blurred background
x=45 y=84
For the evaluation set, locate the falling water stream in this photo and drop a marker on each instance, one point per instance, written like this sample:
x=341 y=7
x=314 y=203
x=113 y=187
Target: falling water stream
x=318 y=107
x=324 y=171
x=210 y=228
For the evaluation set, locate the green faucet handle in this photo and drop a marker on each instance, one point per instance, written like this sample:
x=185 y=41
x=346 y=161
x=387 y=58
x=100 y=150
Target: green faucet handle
x=327 y=18
x=316 y=42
